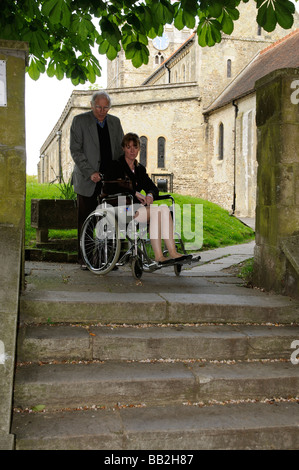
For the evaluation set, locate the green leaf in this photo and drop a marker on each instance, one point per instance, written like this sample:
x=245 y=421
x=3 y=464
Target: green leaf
x=284 y=13
x=227 y=23
x=215 y=10
x=60 y=70
x=38 y=408
x=162 y=11
x=275 y=11
x=147 y=19
x=178 y=20
x=188 y=19
x=38 y=42
x=33 y=70
x=110 y=32
x=109 y=50
x=58 y=11
x=266 y=17
x=138 y=53
x=209 y=32
x=51 y=69
x=82 y=25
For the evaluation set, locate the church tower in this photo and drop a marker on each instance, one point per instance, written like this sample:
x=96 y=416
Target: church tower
x=121 y=73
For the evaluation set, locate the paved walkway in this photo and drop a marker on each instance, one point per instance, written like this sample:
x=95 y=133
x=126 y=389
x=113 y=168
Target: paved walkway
x=215 y=261
x=210 y=270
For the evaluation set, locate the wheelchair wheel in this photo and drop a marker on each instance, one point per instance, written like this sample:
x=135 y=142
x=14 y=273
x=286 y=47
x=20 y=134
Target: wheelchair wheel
x=137 y=268
x=100 y=243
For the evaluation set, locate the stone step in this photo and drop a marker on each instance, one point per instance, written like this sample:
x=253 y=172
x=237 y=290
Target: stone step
x=43 y=306
x=62 y=386
x=146 y=342
x=237 y=426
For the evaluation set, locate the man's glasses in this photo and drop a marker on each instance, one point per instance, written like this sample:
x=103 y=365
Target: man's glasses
x=102 y=108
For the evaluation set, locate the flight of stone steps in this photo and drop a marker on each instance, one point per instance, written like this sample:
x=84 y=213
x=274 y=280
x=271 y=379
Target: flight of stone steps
x=156 y=373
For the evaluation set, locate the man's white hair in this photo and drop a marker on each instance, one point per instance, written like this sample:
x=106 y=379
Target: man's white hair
x=102 y=94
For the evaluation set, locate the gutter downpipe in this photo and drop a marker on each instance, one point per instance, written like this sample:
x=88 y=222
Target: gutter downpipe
x=59 y=133
x=168 y=69
x=235 y=156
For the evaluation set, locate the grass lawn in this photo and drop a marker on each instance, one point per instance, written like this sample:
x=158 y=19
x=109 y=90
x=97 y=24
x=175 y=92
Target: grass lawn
x=219 y=228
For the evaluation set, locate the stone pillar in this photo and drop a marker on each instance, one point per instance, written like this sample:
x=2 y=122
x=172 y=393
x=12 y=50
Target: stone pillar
x=13 y=58
x=277 y=212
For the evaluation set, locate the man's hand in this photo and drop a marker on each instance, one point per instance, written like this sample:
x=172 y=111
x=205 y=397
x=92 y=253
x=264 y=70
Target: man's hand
x=95 y=177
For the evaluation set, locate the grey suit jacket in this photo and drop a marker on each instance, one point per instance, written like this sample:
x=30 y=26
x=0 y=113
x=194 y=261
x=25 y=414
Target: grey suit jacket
x=85 y=149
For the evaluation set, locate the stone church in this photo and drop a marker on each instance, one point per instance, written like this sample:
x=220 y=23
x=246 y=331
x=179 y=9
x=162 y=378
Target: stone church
x=195 y=121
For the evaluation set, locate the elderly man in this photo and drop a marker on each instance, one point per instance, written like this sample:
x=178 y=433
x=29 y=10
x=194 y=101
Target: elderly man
x=95 y=140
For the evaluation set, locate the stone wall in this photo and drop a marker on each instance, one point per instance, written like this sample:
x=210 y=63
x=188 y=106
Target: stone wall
x=232 y=175
x=277 y=214
x=12 y=136
x=13 y=57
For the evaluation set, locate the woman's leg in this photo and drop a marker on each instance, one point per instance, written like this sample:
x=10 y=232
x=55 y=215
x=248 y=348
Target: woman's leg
x=167 y=232
x=160 y=226
x=152 y=215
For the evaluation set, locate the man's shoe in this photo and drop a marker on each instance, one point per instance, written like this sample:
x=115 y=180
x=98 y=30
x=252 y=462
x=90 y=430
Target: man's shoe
x=83 y=267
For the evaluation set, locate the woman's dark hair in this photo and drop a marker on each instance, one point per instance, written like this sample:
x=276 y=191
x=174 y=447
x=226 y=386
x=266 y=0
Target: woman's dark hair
x=131 y=136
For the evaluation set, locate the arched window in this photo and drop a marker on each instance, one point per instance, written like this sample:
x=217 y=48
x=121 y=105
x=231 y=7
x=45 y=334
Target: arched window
x=259 y=30
x=159 y=58
x=143 y=150
x=220 y=141
x=161 y=152
x=229 y=68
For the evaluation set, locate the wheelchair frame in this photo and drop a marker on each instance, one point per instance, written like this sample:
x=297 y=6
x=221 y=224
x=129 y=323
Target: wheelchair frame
x=101 y=241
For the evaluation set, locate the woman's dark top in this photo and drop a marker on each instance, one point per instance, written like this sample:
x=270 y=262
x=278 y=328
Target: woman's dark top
x=119 y=169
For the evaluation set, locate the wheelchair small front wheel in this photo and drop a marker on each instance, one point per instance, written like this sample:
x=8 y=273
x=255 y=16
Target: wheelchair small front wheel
x=177 y=269
x=137 y=268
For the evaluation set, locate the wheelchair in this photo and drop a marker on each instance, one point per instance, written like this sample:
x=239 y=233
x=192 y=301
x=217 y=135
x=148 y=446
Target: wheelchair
x=111 y=237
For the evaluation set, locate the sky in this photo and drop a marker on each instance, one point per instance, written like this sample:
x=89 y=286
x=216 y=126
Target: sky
x=45 y=100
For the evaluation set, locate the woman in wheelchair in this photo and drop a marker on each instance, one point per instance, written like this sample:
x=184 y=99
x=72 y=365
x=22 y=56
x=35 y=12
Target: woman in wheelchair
x=158 y=217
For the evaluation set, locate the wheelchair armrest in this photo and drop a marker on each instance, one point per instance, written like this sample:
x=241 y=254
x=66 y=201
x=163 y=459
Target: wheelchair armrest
x=164 y=196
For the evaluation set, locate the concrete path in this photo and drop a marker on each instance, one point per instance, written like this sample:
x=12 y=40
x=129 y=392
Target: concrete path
x=49 y=276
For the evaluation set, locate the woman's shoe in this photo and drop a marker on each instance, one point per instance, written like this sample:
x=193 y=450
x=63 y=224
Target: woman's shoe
x=166 y=262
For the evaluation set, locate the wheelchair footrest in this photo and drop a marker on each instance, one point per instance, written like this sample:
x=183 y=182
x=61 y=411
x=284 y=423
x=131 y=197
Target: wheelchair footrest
x=195 y=258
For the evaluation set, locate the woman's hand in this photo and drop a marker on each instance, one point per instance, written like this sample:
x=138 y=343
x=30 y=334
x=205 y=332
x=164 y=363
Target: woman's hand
x=149 y=199
x=145 y=200
x=141 y=198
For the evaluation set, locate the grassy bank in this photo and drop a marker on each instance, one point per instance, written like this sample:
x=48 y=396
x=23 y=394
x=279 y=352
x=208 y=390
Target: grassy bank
x=219 y=228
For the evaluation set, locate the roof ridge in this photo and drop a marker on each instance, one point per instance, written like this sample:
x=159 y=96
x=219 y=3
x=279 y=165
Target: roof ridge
x=178 y=48
x=279 y=41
